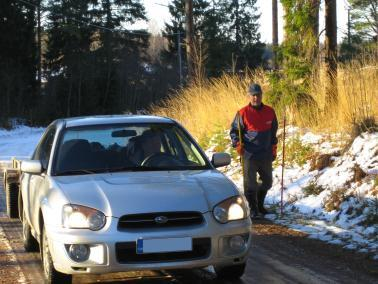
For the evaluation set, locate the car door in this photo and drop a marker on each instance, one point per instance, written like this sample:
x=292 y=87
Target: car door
x=36 y=183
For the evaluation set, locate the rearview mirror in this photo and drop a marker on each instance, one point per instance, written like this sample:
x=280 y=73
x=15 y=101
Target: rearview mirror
x=221 y=160
x=31 y=167
x=124 y=133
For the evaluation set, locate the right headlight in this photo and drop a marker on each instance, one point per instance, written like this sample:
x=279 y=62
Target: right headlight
x=234 y=208
x=82 y=217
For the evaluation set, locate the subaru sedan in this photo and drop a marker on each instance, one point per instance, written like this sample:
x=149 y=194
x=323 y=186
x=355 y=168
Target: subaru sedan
x=118 y=193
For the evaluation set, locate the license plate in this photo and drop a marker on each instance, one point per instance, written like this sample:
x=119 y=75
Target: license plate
x=163 y=245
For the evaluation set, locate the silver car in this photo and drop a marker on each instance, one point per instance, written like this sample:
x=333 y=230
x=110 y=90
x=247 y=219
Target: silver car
x=117 y=193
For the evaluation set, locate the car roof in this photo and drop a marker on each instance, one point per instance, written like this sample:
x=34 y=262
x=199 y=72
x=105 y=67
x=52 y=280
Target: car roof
x=112 y=119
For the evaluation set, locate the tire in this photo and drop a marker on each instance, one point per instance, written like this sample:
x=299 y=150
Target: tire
x=30 y=243
x=233 y=272
x=49 y=272
x=11 y=193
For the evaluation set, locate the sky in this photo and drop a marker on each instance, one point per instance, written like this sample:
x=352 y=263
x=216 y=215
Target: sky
x=158 y=15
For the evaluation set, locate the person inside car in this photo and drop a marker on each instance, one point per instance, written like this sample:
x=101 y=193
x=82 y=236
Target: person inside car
x=143 y=146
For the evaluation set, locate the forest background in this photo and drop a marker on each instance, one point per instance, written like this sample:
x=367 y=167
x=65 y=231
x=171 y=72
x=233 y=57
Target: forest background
x=62 y=58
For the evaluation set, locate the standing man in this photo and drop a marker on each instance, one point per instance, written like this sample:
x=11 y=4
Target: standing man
x=256 y=126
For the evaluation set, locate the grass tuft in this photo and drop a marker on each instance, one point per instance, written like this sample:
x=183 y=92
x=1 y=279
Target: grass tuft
x=312 y=189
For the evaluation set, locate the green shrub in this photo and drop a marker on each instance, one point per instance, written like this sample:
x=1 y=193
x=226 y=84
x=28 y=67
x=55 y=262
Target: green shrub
x=334 y=200
x=296 y=152
x=221 y=142
x=204 y=141
x=312 y=189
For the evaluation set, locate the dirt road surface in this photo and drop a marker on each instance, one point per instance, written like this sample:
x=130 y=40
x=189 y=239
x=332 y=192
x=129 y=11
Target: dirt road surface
x=278 y=255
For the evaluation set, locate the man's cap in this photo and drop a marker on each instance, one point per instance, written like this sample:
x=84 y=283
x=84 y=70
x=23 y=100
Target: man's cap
x=254 y=89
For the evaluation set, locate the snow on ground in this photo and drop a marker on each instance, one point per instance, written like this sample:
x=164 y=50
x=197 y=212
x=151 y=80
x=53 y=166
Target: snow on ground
x=337 y=204
x=19 y=142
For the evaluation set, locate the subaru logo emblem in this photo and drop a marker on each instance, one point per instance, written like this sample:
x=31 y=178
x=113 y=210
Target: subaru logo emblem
x=161 y=219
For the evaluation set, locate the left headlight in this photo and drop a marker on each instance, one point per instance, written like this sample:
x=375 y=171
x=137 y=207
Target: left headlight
x=82 y=217
x=231 y=209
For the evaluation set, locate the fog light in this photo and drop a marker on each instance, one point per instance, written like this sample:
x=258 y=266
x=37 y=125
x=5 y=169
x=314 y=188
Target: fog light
x=236 y=243
x=79 y=253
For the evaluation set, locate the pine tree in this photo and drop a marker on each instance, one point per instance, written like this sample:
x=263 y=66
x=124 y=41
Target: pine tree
x=300 y=44
x=241 y=30
x=297 y=53
x=177 y=25
x=215 y=40
x=331 y=51
x=92 y=60
x=227 y=31
x=69 y=42
x=365 y=18
x=17 y=59
x=118 y=48
x=175 y=33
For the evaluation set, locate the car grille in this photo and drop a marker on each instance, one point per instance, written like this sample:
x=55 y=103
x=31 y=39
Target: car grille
x=126 y=253
x=160 y=220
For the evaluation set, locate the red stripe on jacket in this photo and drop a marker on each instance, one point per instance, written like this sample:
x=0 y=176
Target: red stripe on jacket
x=257 y=120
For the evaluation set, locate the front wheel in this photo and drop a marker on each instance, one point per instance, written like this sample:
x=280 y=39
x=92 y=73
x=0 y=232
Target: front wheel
x=50 y=274
x=30 y=243
x=233 y=272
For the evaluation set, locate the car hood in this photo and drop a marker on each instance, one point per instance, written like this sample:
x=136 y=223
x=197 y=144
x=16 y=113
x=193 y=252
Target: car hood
x=117 y=194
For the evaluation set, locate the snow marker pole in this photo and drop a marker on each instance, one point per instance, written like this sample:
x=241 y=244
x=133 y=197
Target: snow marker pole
x=283 y=160
x=241 y=145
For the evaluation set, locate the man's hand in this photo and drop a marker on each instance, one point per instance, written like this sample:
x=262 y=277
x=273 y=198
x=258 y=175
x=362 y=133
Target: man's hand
x=239 y=149
x=274 y=151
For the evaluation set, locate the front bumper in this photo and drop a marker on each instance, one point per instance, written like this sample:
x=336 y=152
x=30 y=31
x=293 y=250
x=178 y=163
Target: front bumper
x=105 y=242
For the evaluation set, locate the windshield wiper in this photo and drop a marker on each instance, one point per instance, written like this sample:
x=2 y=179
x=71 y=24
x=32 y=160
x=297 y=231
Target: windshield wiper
x=133 y=169
x=76 y=172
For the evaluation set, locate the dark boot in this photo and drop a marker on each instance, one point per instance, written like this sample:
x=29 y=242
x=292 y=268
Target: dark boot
x=260 y=201
x=252 y=201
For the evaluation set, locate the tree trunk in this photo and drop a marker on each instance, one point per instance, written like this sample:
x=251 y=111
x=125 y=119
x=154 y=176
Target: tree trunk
x=315 y=13
x=274 y=32
x=39 y=48
x=315 y=6
x=189 y=36
x=331 y=51
x=237 y=26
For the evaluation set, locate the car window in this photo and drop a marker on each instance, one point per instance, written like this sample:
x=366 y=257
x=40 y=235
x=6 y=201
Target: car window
x=189 y=148
x=43 y=150
x=136 y=147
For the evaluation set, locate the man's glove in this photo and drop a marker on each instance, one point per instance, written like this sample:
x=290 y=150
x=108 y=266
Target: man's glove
x=239 y=149
x=274 y=151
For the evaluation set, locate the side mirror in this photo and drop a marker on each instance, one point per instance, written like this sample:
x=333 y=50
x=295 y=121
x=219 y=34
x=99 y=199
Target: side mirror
x=221 y=160
x=31 y=167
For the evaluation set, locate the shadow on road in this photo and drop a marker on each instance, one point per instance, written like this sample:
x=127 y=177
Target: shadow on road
x=197 y=276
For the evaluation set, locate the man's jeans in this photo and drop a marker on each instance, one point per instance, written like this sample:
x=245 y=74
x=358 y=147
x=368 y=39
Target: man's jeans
x=254 y=191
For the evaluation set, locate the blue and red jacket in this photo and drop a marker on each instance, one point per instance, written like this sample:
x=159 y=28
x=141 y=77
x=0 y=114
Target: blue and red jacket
x=258 y=131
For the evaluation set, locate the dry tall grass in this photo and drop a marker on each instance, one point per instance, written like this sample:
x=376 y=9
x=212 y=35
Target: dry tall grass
x=208 y=107
x=357 y=85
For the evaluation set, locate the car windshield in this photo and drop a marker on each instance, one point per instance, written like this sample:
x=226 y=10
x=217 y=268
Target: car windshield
x=137 y=147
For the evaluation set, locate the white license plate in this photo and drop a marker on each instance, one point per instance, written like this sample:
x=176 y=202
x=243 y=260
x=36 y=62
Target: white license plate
x=163 y=245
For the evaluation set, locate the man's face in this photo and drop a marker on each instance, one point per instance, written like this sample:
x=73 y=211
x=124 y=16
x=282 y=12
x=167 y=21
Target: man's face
x=152 y=145
x=256 y=99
